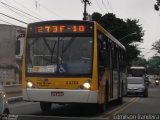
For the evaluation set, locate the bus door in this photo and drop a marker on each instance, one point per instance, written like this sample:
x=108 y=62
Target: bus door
x=119 y=72
x=109 y=67
x=115 y=71
x=104 y=67
x=107 y=61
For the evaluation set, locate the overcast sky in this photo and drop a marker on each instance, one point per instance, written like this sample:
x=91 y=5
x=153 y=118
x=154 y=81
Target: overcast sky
x=73 y=9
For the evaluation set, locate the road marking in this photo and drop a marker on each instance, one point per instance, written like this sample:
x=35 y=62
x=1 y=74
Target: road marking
x=128 y=105
x=114 y=110
x=120 y=108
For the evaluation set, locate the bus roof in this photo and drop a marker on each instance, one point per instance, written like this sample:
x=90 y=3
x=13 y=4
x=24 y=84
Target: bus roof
x=60 y=21
x=112 y=38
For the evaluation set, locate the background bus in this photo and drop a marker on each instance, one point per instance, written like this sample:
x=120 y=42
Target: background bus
x=137 y=71
x=72 y=62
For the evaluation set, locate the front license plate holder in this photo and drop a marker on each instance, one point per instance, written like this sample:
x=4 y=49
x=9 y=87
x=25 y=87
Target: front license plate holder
x=57 y=93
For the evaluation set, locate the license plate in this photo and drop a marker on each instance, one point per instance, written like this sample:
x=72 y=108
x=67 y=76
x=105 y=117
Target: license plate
x=57 y=93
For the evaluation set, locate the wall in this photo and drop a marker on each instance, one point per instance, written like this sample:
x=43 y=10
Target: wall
x=9 y=68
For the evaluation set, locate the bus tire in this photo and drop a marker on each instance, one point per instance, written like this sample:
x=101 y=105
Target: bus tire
x=6 y=112
x=120 y=99
x=102 y=107
x=145 y=94
x=45 y=106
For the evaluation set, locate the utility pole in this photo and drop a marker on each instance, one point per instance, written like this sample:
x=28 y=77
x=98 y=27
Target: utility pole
x=86 y=2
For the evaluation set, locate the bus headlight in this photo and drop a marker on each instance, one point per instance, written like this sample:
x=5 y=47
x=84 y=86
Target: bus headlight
x=29 y=84
x=86 y=85
x=2 y=94
x=157 y=81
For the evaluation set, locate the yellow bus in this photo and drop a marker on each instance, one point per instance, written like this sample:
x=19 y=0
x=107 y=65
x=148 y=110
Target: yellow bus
x=72 y=62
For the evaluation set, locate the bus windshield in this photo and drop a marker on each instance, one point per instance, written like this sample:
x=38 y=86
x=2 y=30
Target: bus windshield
x=137 y=71
x=60 y=55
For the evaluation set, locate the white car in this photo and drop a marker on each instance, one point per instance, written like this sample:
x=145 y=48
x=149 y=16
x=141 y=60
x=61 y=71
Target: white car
x=3 y=102
x=137 y=85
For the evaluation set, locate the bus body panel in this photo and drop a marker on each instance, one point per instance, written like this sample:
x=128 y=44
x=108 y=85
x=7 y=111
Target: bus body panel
x=57 y=83
x=60 y=95
x=61 y=89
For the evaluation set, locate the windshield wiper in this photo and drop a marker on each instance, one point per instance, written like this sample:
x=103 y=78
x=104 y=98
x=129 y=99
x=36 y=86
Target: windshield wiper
x=49 y=48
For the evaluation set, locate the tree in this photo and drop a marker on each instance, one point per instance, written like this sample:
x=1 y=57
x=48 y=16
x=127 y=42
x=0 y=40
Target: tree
x=120 y=28
x=140 y=61
x=157 y=5
x=154 y=65
x=96 y=16
x=156 y=46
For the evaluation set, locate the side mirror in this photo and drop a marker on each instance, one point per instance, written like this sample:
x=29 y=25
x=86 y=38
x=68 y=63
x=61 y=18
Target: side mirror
x=17 y=51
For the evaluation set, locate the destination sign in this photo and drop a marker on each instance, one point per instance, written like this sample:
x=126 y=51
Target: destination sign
x=60 y=29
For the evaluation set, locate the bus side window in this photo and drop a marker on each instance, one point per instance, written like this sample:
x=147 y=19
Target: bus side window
x=108 y=54
x=114 y=57
x=121 y=61
x=100 y=51
x=104 y=52
x=101 y=55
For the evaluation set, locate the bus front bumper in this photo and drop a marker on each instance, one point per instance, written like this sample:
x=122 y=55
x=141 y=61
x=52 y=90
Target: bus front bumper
x=60 y=95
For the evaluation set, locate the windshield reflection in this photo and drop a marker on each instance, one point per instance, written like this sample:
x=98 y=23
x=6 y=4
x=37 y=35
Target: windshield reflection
x=60 y=55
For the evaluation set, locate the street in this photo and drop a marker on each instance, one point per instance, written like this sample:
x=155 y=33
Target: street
x=79 y=60
x=132 y=105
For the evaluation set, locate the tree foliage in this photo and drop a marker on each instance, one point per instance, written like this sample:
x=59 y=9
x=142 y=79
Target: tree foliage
x=140 y=61
x=157 y=5
x=120 y=28
x=154 y=65
x=156 y=46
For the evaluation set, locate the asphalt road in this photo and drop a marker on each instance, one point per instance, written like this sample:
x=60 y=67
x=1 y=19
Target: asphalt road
x=133 y=105
x=142 y=108
x=149 y=105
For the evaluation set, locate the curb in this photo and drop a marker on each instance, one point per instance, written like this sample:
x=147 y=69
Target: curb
x=15 y=99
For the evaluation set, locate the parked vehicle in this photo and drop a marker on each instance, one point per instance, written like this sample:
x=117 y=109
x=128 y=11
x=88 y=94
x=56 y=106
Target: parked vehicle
x=3 y=102
x=137 y=85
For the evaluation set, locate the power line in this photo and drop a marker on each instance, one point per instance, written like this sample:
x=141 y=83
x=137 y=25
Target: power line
x=49 y=10
x=99 y=6
x=19 y=10
x=104 y=5
x=53 y=12
x=13 y=18
x=6 y=22
x=19 y=14
x=110 y=6
x=29 y=9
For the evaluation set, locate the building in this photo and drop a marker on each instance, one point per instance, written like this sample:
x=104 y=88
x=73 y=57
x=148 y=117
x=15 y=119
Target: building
x=10 y=63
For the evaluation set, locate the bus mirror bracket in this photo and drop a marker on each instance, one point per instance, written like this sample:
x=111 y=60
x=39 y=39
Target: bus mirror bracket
x=17 y=51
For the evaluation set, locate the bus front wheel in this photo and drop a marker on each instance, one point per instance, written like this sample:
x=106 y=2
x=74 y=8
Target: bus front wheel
x=45 y=106
x=103 y=106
